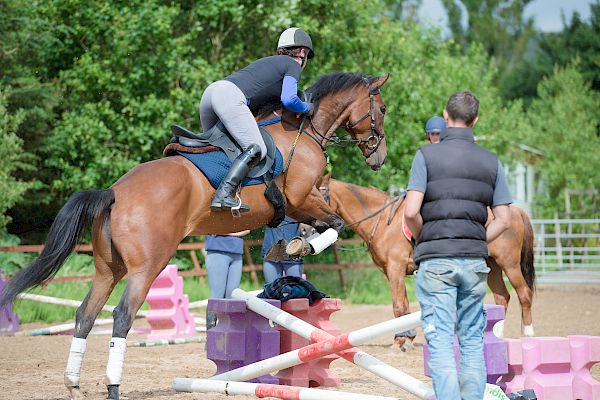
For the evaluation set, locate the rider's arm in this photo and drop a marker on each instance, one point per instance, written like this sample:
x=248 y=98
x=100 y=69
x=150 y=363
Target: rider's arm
x=289 y=96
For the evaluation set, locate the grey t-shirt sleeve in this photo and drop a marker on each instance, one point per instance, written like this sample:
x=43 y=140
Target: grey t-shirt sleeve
x=418 y=174
x=501 y=192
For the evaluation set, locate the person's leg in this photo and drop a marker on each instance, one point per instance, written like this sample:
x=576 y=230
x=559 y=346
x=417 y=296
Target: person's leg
x=234 y=274
x=272 y=270
x=293 y=269
x=208 y=117
x=229 y=103
x=436 y=291
x=216 y=266
x=470 y=327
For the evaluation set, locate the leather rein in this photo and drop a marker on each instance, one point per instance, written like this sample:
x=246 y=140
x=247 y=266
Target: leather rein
x=391 y=204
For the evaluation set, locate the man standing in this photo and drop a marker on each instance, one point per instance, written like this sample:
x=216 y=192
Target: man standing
x=450 y=187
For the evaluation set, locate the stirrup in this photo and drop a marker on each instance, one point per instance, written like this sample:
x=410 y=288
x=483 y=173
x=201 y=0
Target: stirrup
x=235 y=211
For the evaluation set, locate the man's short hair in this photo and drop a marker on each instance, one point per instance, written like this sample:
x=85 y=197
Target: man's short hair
x=463 y=106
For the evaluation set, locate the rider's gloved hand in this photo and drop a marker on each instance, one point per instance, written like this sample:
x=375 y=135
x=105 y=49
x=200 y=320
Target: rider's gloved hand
x=311 y=109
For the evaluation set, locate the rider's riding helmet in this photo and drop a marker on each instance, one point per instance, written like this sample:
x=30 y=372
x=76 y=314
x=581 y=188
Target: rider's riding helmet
x=296 y=37
x=435 y=125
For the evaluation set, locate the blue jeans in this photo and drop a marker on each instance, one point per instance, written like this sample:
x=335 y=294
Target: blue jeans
x=274 y=269
x=451 y=290
x=224 y=273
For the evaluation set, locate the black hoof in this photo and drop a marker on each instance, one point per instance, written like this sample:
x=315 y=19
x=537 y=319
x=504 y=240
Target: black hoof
x=113 y=392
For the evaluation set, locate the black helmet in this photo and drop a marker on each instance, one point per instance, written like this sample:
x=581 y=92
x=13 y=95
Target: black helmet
x=296 y=37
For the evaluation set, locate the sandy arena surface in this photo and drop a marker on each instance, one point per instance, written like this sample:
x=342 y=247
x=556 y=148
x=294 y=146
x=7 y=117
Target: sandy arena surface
x=32 y=367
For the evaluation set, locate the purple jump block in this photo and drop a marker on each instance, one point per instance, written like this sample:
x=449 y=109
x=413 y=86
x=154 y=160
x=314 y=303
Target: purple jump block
x=241 y=337
x=9 y=322
x=495 y=350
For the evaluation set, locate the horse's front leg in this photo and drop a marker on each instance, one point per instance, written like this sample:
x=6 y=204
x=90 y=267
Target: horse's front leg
x=327 y=223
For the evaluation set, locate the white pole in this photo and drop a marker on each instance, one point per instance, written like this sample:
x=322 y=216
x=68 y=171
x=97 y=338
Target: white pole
x=60 y=328
x=204 y=303
x=66 y=302
x=265 y=390
x=360 y=358
x=321 y=349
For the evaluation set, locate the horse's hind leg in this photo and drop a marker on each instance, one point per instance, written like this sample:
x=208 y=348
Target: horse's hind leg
x=501 y=294
x=102 y=286
x=109 y=270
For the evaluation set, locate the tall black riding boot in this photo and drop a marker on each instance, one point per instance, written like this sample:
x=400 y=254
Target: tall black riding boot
x=224 y=198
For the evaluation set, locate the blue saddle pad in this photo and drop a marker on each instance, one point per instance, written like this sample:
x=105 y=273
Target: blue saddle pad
x=215 y=164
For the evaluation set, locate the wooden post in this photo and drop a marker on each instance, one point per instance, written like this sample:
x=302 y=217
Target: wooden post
x=197 y=269
x=250 y=263
x=341 y=267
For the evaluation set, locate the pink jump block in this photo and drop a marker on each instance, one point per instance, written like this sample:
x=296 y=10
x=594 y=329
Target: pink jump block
x=169 y=316
x=556 y=368
x=313 y=373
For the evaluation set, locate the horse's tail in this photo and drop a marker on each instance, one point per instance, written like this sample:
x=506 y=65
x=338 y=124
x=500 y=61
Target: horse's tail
x=527 y=261
x=65 y=232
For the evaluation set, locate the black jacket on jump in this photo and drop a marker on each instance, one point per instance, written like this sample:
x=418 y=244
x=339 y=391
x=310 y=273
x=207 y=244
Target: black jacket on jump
x=461 y=178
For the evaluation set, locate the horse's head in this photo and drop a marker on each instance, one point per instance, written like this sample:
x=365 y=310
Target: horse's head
x=352 y=101
x=365 y=122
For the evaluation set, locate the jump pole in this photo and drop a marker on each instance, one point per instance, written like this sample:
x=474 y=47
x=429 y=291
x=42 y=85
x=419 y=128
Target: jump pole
x=66 y=302
x=166 y=342
x=204 y=303
x=60 y=328
x=315 y=335
x=321 y=349
x=265 y=390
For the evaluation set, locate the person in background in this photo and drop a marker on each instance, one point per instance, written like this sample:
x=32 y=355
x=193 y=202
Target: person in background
x=286 y=231
x=451 y=185
x=434 y=126
x=224 y=266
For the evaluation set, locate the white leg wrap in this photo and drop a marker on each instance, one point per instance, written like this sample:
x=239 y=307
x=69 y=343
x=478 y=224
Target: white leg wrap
x=498 y=329
x=324 y=240
x=528 y=331
x=116 y=359
x=73 y=370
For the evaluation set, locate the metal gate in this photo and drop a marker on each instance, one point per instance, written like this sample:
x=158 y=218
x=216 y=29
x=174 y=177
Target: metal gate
x=567 y=250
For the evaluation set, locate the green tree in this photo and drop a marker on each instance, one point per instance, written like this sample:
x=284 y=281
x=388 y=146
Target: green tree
x=578 y=39
x=498 y=25
x=11 y=160
x=563 y=126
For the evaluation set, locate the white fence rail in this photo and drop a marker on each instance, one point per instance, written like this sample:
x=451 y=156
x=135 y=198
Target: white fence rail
x=567 y=250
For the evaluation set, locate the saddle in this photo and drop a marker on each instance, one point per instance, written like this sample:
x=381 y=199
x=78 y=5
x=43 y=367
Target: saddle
x=218 y=138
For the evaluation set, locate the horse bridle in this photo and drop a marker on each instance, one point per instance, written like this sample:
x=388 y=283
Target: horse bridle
x=372 y=142
x=325 y=191
x=376 y=137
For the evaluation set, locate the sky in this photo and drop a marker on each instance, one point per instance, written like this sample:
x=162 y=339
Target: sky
x=546 y=13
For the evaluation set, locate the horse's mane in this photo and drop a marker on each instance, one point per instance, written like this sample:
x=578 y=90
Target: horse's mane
x=328 y=84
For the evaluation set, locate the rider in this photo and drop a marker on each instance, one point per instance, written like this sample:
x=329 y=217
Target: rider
x=434 y=126
x=235 y=99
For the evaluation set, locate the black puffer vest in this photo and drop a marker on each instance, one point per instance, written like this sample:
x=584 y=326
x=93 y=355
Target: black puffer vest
x=461 y=177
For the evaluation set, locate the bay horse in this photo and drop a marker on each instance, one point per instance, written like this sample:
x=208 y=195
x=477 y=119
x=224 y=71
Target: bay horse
x=139 y=221
x=378 y=220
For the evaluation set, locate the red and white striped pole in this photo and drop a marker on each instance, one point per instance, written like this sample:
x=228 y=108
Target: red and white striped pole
x=264 y=390
x=360 y=358
x=324 y=348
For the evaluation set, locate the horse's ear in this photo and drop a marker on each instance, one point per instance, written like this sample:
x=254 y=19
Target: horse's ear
x=380 y=81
